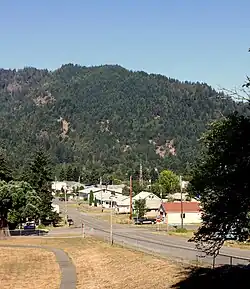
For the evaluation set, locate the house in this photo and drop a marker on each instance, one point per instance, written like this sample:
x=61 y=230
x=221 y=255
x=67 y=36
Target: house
x=152 y=202
x=115 y=188
x=177 y=197
x=170 y=213
x=58 y=186
x=123 y=205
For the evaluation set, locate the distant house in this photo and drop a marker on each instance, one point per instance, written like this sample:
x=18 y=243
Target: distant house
x=123 y=205
x=68 y=185
x=152 y=202
x=170 y=213
x=57 y=186
x=177 y=197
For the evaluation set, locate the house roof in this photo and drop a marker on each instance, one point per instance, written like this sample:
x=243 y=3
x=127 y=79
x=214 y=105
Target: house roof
x=175 y=207
x=145 y=195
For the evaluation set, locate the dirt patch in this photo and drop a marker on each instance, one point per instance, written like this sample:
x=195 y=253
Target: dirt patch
x=99 y=265
x=29 y=269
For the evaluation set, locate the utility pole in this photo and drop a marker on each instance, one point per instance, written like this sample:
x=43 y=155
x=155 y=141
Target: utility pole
x=130 y=194
x=65 y=205
x=111 y=222
x=141 y=176
x=156 y=170
x=181 y=203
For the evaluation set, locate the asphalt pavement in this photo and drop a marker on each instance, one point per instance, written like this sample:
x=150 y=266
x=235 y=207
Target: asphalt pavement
x=145 y=240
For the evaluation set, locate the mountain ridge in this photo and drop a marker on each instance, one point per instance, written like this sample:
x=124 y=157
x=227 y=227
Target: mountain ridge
x=106 y=117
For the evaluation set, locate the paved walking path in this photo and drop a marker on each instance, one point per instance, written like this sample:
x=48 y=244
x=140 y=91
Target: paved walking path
x=68 y=271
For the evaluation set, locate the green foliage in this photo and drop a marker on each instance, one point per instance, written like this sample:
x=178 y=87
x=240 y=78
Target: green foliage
x=18 y=201
x=113 y=118
x=91 y=198
x=181 y=230
x=5 y=172
x=39 y=175
x=126 y=191
x=62 y=175
x=156 y=189
x=76 y=174
x=221 y=181
x=95 y=202
x=69 y=174
x=137 y=188
x=140 y=207
x=169 y=183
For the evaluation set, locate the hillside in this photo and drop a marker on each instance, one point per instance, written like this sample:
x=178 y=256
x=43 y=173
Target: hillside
x=105 y=118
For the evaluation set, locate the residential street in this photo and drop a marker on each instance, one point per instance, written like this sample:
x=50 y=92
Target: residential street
x=147 y=240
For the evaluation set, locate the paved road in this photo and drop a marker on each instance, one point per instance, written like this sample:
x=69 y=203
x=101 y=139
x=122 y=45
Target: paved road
x=146 y=240
x=68 y=271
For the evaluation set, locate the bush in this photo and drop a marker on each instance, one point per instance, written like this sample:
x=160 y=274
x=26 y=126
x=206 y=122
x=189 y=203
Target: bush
x=181 y=230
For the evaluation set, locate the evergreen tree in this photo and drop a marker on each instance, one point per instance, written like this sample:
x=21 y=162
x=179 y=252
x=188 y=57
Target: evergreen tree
x=76 y=174
x=140 y=207
x=69 y=174
x=91 y=198
x=62 y=175
x=40 y=177
x=5 y=172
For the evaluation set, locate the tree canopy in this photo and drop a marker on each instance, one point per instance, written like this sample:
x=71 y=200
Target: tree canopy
x=222 y=184
x=140 y=207
x=169 y=183
x=18 y=201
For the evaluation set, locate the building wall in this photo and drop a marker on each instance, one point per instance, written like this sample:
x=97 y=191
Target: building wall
x=190 y=218
x=122 y=210
x=152 y=213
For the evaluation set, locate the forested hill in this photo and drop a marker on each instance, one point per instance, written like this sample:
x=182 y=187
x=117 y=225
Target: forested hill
x=105 y=118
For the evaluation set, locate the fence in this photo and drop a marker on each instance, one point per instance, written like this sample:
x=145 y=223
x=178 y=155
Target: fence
x=183 y=253
x=142 y=243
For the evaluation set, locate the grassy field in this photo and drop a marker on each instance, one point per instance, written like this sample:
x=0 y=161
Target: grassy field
x=100 y=266
x=28 y=268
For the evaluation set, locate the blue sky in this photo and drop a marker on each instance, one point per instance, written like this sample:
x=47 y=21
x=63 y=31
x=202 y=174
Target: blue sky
x=185 y=39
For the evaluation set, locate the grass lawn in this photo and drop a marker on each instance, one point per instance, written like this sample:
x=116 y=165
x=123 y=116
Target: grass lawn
x=28 y=268
x=99 y=265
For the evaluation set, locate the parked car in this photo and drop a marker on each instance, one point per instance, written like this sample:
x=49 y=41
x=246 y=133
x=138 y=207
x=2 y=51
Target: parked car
x=29 y=226
x=144 y=221
x=70 y=222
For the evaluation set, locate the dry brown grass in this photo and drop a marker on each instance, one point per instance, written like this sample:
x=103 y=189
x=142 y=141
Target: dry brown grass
x=121 y=219
x=238 y=245
x=29 y=269
x=100 y=266
x=85 y=208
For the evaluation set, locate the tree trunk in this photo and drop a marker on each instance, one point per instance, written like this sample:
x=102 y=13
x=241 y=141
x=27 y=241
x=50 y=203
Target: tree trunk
x=4 y=228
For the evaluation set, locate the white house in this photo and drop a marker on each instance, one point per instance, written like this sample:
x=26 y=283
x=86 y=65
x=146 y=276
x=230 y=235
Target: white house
x=170 y=213
x=57 y=186
x=123 y=205
x=152 y=202
x=177 y=197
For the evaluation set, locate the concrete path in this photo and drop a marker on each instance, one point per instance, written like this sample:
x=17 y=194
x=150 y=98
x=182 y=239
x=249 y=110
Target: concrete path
x=68 y=271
